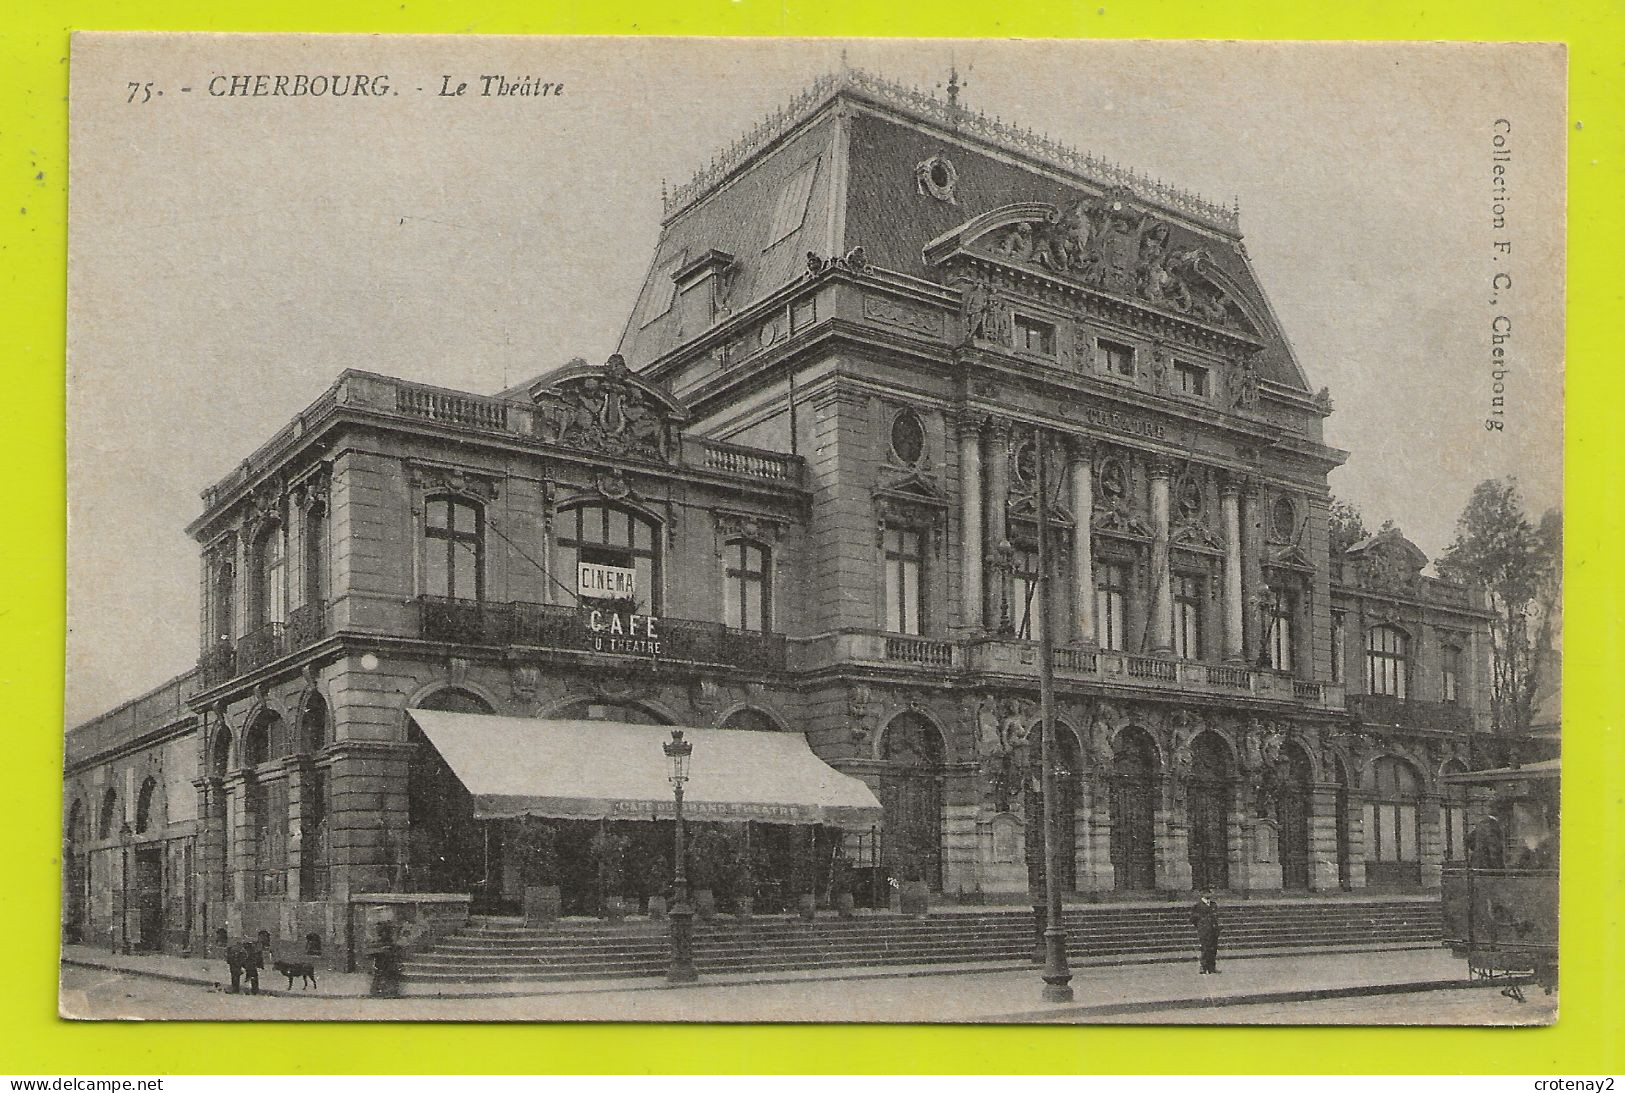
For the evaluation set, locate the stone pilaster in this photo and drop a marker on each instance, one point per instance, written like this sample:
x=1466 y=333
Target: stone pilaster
x=1081 y=471
x=971 y=532
x=1230 y=509
x=1162 y=602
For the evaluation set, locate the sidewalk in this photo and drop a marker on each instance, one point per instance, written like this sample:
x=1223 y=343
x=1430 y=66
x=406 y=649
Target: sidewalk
x=207 y=972
x=1106 y=990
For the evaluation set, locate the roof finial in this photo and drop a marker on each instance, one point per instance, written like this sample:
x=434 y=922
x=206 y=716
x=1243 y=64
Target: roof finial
x=955 y=84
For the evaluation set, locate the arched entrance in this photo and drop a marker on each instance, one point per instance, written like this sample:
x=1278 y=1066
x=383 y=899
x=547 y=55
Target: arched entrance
x=1134 y=786
x=76 y=900
x=1207 y=803
x=315 y=834
x=1393 y=825
x=1292 y=816
x=1068 y=768
x=446 y=848
x=911 y=799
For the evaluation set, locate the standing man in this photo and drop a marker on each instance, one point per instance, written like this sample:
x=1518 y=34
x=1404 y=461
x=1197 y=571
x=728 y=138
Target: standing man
x=1206 y=917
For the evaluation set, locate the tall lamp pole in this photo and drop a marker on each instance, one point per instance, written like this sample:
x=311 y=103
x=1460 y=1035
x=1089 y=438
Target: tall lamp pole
x=681 y=967
x=1057 y=976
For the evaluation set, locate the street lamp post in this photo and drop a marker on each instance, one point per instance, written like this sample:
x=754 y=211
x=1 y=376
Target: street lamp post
x=681 y=967
x=1057 y=976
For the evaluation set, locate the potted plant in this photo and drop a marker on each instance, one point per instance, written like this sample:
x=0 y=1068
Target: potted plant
x=656 y=883
x=609 y=856
x=705 y=865
x=913 y=892
x=840 y=884
x=803 y=884
x=538 y=855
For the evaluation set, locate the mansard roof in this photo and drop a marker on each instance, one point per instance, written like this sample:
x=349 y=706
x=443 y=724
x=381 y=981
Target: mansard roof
x=855 y=155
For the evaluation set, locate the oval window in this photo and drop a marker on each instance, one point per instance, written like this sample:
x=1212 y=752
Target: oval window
x=907 y=437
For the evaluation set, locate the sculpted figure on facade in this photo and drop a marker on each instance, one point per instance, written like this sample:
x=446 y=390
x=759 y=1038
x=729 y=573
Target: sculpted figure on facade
x=607 y=412
x=859 y=717
x=983 y=314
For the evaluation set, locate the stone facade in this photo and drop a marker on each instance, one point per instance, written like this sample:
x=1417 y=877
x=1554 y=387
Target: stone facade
x=870 y=422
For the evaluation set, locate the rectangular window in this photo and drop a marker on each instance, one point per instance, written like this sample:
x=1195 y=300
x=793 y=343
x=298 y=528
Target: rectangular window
x=1370 y=832
x=1024 y=602
x=1452 y=668
x=904 y=583
x=1187 y=616
x=1035 y=336
x=1339 y=650
x=454 y=549
x=1279 y=641
x=745 y=586
x=1115 y=357
x=792 y=207
x=1192 y=378
x=1111 y=588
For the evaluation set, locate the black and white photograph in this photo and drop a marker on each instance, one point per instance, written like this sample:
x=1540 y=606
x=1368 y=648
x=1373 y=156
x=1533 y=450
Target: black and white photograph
x=813 y=530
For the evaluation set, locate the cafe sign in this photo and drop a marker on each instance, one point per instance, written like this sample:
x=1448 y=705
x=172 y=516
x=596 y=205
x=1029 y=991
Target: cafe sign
x=623 y=633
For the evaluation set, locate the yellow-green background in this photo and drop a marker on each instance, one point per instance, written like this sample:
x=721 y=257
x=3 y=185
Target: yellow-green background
x=33 y=139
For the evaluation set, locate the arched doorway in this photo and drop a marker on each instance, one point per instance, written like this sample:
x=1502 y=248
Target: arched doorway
x=1068 y=767
x=1207 y=802
x=1393 y=825
x=76 y=898
x=446 y=847
x=911 y=799
x=1134 y=802
x=1292 y=815
x=314 y=834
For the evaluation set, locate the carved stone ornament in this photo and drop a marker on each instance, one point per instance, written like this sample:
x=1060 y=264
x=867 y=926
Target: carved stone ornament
x=705 y=693
x=859 y=703
x=311 y=494
x=984 y=315
x=525 y=677
x=434 y=479
x=1111 y=243
x=855 y=260
x=936 y=177
x=611 y=483
x=606 y=410
x=1113 y=508
x=744 y=525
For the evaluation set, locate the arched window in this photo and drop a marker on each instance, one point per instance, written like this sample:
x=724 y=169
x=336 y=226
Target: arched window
x=1133 y=803
x=315 y=555
x=747 y=586
x=313 y=725
x=444 y=849
x=143 y=805
x=1387 y=661
x=1392 y=823
x=220 y=753
x=750 y=719
x=107 y=824
x=77 y=828
x=267 y=739
x=612 y=536
x=270 y=577
x=1450 y=673
x=454 y=549
x=223 y=602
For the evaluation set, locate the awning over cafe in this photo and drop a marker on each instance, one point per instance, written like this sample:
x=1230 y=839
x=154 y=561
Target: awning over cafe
x=590 y=770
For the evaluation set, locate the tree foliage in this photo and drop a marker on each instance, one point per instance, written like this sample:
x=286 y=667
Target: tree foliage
x=1518 y=564
x=1346 y=525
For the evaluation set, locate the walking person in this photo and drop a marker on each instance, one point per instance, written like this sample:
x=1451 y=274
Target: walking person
x=243 y=958
x=1206 y=917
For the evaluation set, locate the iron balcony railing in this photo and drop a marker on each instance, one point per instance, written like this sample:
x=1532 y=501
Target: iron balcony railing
x=565 y=627
x=1411 y=713
x=226 y=660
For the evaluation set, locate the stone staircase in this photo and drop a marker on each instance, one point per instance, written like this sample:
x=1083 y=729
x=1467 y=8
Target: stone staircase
x=497 y=951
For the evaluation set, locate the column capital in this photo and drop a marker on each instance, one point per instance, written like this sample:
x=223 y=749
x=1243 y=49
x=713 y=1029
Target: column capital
x=1080 y=449
x=999 y=430
x=1160 y=466
x=969 y=424
x=1232 y=482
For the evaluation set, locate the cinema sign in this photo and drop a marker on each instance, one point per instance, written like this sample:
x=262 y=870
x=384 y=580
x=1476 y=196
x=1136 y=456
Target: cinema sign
x=610 y=630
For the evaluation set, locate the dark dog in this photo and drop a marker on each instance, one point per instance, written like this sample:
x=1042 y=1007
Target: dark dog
x=291 y=968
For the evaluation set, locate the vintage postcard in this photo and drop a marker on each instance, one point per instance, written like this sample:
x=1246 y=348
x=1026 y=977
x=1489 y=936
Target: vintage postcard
x=723 y=530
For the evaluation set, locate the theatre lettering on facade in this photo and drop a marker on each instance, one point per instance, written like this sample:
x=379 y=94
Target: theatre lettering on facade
x=797 y=514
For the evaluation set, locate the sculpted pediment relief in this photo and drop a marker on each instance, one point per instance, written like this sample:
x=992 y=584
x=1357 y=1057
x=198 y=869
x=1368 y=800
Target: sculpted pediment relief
x=1109 y=243
x=607 y=410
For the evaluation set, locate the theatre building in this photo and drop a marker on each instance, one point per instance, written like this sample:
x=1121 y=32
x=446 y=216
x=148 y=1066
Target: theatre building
x=797 y=515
